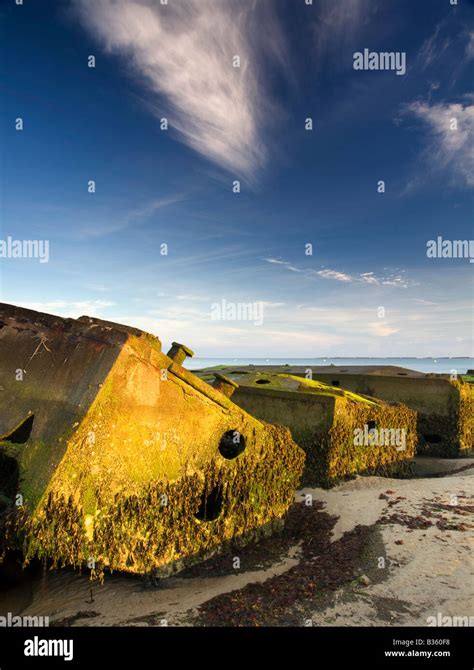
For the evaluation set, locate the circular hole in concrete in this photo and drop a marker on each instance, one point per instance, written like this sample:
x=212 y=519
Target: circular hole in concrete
x=232 y=444
x=22 y=432
x=262 y=381
x=210 y=505
x=371 y=426
x=9 y=478
x=402 y=374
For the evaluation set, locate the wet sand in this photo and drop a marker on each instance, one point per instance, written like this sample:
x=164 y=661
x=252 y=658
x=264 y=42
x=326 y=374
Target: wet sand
x=372 y=551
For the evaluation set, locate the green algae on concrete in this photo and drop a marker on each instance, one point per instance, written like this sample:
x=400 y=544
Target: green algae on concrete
x=343 y=433
x=444 y=403
x=126 y=462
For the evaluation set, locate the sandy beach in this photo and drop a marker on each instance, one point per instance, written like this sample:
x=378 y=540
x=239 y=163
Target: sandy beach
x=372 y=551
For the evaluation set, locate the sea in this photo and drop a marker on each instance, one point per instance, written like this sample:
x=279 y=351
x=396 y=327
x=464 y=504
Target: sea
x=441 y=365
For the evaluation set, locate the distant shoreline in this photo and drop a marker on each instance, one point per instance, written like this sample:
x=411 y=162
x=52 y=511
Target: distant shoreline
x=442 y=365
x=343 y=358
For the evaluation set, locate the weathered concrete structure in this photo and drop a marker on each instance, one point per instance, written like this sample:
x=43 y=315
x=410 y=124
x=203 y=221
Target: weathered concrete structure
x=341 y=432
x=119 y=458
x=444 y=406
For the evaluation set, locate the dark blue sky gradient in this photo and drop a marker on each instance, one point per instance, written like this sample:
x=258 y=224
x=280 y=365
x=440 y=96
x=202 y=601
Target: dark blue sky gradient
x=318 y=187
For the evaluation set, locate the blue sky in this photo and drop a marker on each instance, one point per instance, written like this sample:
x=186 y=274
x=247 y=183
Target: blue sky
x=175 y=187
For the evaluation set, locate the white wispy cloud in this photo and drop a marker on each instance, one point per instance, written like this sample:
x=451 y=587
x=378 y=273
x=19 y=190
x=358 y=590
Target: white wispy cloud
x=339 y=326
x=288 y=266
x=333 y=274
x=69 y=309
x=446 y=45
x=422 y=301
x=184 y=53
x=450 y=138
x=340 y=24
x=98 y=228
x=393 y=279
x=433 y=47
x=368 y=278
x=470 y=46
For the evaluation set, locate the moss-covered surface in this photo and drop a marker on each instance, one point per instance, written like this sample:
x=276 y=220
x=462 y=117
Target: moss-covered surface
x=137 y=532
x=334 y=455
x=444 y=405
x=324 y=421
x=130 y=476
x=449 y=434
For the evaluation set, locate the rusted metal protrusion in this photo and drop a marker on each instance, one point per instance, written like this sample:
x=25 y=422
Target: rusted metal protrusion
x=179 y=352
x=224 y=384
